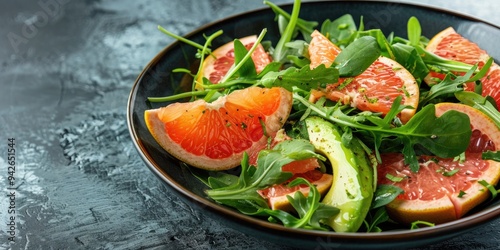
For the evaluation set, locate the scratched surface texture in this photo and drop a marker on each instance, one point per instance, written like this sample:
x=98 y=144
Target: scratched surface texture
x=66 y=69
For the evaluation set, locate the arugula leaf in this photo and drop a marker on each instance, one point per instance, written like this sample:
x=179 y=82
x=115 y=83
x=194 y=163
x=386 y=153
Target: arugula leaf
x=357 y=57
x=416 y=40
x=303 y=78
x=440 y=62
x=414 y=31
x=247 y=68
x=298 y=53
x=491 y=155
x=385 y=194
x=415 y=224
x=303 y=26
x=450 y=85
x=384 y=45
x=437 y=134
x=461 y=194
x=372 y=221
x=287 y=35
x=310 y=211
x=221 y=179
x=494 y=192
x=243 y=64
x=409 y=58
x=393 y=178
x=483 y=104
x=340 y=30
x=451 y=172
x=241 y=192
x=446 y=136
x=203 y=50
x=267 y=173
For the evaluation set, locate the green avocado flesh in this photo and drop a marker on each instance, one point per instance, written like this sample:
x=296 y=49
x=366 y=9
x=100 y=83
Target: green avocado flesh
x=353 y=179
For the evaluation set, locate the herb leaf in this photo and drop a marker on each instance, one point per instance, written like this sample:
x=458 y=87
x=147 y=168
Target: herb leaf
x=414 y=31
x=287 y=35
x=490 y=187
x=384 y=195
x=481 y=103
x=380 y=216
x=414 y=225
x=267 y=173
x=450 y=85
x=446 y=136
x=303 y=78
x=305 y=27
x=409 y=58
x=357 y=57
x=241 y=193
x=340 y=30
x=491 y=155
x=310 y=211
x=247 y=68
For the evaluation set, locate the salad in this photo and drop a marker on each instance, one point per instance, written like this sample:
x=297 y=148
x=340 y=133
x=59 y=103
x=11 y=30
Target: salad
x=345 y=140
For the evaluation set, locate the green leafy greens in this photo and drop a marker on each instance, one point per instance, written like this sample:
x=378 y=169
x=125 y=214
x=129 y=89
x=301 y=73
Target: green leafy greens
x=446 y=136
x=242 y=193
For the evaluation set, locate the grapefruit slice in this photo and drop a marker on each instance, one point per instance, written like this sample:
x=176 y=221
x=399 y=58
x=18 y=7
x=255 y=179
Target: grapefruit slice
x=214 y=136
x=444 y=189
x=451 y=45
x=216 y=65
x=306 y=168
x=373 y=90
x=322 y=50
x=276 y=194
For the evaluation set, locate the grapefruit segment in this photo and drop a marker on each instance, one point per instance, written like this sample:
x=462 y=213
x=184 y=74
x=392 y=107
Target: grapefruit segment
x=373 y=90
x=322 y=50
x=306 y=168
x=444 y=189
x=453 y=46
x=216 y=65
x=276 y=195
x=215 y=135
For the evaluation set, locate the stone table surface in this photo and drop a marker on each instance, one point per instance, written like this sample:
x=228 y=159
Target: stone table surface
x=66 y=70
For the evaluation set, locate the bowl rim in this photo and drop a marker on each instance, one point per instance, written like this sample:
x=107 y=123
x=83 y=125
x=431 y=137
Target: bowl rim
x=450 y=229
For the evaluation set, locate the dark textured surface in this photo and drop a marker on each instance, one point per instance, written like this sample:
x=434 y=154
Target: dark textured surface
x=66 y=69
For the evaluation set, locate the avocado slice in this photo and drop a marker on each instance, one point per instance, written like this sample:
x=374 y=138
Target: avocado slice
x=353 y=175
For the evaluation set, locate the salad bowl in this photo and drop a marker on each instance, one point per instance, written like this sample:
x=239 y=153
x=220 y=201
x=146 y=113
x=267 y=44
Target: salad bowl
x=157 y=79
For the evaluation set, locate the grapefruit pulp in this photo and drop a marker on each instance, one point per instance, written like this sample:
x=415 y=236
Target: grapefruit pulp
x=214 y=136
x=444 y=189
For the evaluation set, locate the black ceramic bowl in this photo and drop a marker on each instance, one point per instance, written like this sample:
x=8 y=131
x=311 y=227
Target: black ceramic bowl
x=157 y=80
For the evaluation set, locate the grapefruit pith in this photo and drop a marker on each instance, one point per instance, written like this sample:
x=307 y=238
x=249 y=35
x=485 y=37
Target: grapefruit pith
x=215 y=135
x=216 y=65
x=373 y=90
x=453 y=46
x=444 y=189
